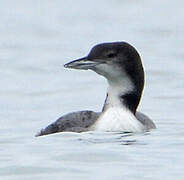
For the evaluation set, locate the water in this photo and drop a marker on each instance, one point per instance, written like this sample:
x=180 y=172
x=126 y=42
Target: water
x=37 y=38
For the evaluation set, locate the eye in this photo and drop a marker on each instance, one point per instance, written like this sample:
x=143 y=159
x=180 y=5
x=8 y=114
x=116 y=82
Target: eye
x=111 y=55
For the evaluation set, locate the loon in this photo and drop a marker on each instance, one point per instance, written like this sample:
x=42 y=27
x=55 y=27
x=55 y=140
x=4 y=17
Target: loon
x=121 y=65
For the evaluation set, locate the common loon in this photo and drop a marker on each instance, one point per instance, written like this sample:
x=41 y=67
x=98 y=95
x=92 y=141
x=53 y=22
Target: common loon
x=120 y=64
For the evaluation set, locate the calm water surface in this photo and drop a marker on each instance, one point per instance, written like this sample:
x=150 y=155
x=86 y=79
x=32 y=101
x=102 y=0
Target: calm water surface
x=37 y=38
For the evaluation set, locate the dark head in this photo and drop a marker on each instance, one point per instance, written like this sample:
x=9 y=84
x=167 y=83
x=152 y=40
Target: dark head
x=118 y=62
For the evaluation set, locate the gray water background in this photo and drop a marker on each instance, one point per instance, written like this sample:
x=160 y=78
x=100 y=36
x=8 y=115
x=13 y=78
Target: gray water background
x=37 y=38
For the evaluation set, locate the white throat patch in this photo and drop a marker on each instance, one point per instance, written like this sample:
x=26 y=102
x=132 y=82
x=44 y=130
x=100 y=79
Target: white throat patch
x=116 y=117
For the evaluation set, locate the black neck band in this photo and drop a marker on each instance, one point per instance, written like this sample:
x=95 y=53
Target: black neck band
x=131 y=101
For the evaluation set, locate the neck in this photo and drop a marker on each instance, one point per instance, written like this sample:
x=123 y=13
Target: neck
x=130 y=100
x=122 y=94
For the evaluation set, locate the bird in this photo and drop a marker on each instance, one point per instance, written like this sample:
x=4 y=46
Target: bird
x=120 y=64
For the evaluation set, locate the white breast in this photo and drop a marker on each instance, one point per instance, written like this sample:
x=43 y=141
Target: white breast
x=118 y=119
x=116 y=116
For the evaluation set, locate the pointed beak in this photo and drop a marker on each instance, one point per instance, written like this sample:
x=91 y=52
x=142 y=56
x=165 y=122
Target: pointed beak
x=82 y=63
